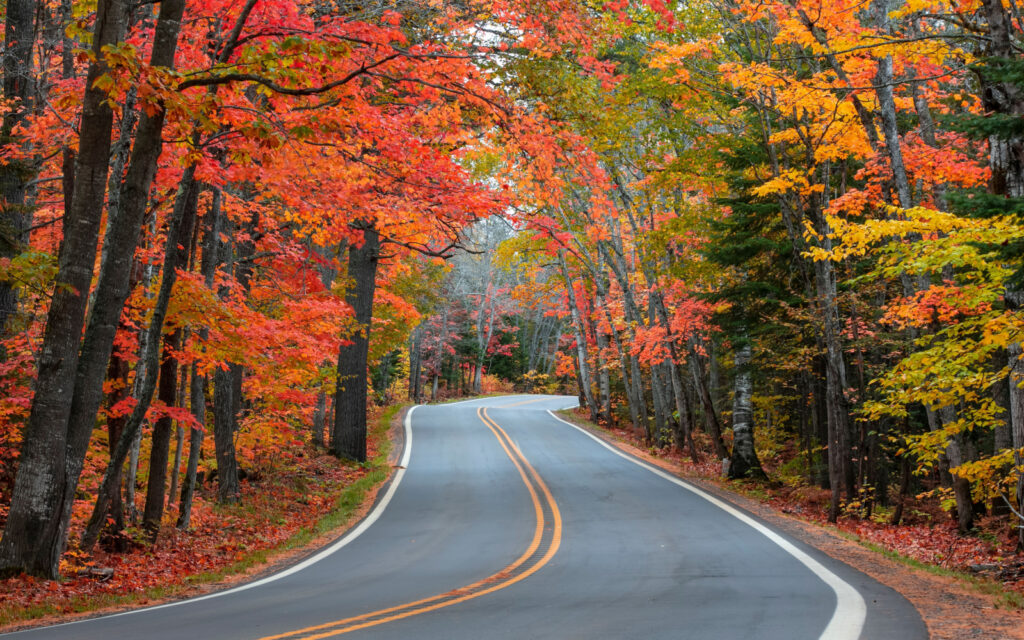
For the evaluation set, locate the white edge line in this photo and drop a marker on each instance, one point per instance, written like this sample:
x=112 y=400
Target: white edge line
x=346 y=539
x=847 y=620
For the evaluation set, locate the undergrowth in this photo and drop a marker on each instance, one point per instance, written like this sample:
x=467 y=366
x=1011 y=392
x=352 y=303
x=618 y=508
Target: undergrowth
x=312 y=495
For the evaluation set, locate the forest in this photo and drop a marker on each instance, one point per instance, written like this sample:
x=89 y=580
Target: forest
x=781 y=238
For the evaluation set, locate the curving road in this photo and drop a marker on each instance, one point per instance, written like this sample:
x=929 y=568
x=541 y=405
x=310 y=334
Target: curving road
x=506 y=522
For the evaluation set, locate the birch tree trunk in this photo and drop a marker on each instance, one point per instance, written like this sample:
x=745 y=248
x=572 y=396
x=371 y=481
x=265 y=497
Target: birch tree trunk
x=744 y=462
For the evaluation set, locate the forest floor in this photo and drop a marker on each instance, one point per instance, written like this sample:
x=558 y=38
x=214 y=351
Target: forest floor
x=283 y=516
x=926 y=562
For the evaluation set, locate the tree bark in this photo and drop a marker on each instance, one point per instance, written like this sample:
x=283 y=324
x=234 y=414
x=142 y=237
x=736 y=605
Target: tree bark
x=156 y=486
x=350 y=396
x=197 y=386
x=604 y=383
x=840 y=467
x=661 y=433
x=179 y=435
x=35 y=532
x=613 y=258
x=485 y=317
x=179 y=231
x=744 y=462
x=118 y=372
x=684 y=429
x=1016 y=353
x=637 y=410
x=19 y=36
x=224 y=423
x=581 y=344
x=416 y=365
x=710 y=415
x=1006 y=159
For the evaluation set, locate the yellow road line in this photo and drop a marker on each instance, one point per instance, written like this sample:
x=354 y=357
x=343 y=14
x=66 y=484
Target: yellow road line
x=498 y=581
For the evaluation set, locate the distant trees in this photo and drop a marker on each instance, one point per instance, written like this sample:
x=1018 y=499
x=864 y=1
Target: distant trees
x=828 y=186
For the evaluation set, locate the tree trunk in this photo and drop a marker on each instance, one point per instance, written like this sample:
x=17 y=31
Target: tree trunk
x=416 y=365
x=319 y=420
x=744 y=462
x=581 y=345
x=612 y=256
x=485 y=318
x=350 y=396
x=179 y=437
x=842 y=474
x=887 y=111
x=661 y=431
x=156 y=486
x=710 y=415
x=819 y=417
x=956 y=452
x=197 y=387
x=1017 y=425
x=131 y=475
x=637 y=410
x=35 y=532
x=114 y=283
x=228 y=489
x=684 y=429
x=19 y=85
x=839 y=465
x=901 y=496
x=604 y=383
x=1006 y=159
x=117 y=372
x=227 y=383
x=179 y=232
x=197 y=404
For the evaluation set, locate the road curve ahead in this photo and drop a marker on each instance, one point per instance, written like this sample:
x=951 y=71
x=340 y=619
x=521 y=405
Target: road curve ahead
x=506 y=522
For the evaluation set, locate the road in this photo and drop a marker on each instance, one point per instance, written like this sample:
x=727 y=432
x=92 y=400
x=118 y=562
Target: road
x=506 y=522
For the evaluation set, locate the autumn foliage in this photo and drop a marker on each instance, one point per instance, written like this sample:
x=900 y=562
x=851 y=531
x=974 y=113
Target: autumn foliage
x=786 y=235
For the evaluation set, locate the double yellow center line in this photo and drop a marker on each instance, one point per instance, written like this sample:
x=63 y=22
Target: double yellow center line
x=547 y=537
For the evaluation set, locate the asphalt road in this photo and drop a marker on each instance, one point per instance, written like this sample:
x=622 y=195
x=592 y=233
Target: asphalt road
x=508 y=523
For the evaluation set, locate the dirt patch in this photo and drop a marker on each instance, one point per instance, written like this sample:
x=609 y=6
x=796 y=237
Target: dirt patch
x=951 y=609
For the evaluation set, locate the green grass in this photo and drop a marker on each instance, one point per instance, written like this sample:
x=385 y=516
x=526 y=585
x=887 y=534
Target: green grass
x=345 y=506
